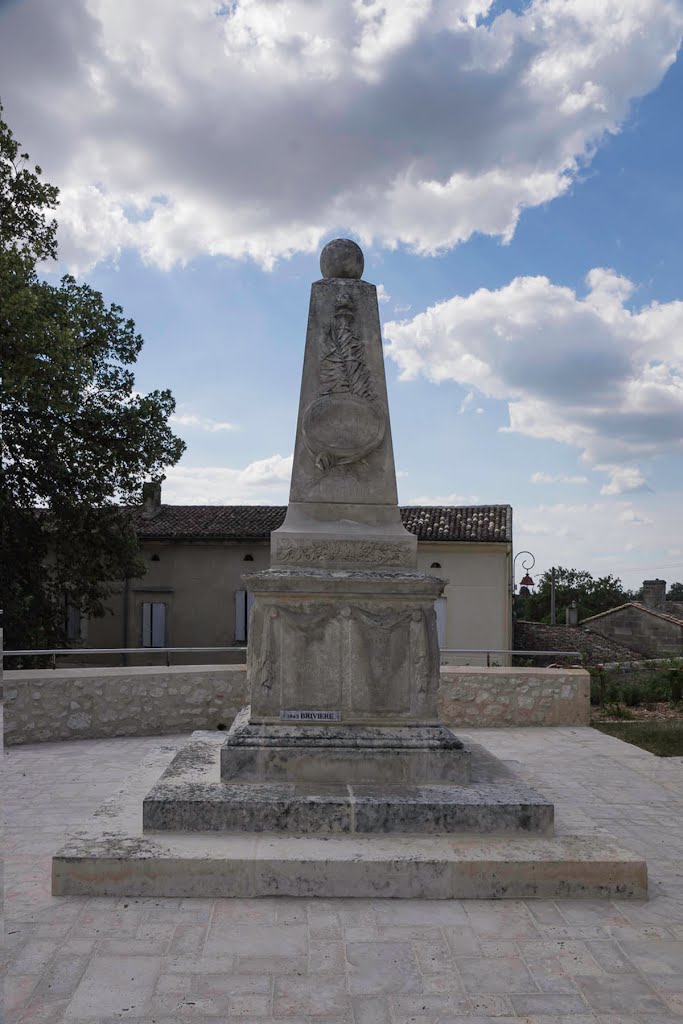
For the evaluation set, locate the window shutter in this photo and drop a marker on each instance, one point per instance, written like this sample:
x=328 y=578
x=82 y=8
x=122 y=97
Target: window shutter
x=73 y=622
x=158 y=625
x=146 y=625
x=247 y=617
x=241 y=616
x=440 y=608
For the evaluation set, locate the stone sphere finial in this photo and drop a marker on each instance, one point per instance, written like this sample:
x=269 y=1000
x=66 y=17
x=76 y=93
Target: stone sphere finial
x=342 y=258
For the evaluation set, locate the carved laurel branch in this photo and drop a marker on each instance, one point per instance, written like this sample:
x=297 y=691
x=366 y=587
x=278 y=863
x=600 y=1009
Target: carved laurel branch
x=344 y=552
x=342 y=365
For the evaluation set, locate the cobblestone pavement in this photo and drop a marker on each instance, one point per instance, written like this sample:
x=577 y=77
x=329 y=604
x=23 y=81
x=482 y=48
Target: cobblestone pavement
x=349 y=961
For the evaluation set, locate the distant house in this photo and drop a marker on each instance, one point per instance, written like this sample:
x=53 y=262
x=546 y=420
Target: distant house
x=193 y=595
x=653 y=626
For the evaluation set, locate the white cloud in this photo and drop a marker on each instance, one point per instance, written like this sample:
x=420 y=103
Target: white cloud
x=193 y=422
x=612 y=536
x=557 y=478
x=382 y=294
x=255 y=129
x=263 y=482
x=629 y=515
x=623 y=480
x=585 y=371
x=441 y=499
x=467 y=401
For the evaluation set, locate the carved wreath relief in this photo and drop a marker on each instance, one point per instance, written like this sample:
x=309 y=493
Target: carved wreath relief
x=345 y=422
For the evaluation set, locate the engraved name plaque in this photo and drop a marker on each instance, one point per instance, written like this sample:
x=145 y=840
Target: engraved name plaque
x=310 y=716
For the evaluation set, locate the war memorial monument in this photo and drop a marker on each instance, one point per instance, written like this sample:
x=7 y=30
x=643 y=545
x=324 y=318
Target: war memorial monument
x=339 y=779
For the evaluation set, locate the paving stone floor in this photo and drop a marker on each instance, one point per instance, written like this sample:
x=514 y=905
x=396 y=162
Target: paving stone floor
x=99 y=960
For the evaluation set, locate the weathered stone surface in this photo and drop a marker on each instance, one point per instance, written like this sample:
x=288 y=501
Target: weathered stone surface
x=343 y=501
x=327 y=754
x=190 y=797
x=362 y=644
x=109 y=856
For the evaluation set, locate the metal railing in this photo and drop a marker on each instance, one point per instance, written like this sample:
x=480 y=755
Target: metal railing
x=519 y=654
x=53 y=653
x=79 y=651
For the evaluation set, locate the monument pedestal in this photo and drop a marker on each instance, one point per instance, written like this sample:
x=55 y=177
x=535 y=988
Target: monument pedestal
x=357 y=647
x=341 y=756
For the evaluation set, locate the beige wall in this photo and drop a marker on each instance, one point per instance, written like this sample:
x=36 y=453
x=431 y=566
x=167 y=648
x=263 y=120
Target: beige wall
x=197 y=582
x=478 y=597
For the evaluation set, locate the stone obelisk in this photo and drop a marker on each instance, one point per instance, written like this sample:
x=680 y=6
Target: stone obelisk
x=343 y=504
x=343 y=658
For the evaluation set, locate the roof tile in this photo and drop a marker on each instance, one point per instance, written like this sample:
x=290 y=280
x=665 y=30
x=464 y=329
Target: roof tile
x=486 y=523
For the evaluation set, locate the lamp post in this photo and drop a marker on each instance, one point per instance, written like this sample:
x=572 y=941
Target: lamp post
x=527 y=580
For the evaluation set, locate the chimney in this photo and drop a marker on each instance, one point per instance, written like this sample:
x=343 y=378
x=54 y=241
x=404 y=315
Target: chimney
x=654 y=593
x=151 y=498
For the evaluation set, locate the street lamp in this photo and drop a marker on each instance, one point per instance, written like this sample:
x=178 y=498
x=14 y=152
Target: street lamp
x=527 y=580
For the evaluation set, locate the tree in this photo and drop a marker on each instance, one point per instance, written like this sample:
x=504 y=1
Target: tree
x=78 y=442
x=675 y=592
x=591 y=595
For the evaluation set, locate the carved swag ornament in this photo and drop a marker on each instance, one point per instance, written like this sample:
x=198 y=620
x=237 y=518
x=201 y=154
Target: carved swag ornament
x=377 y=624
x=346 y=422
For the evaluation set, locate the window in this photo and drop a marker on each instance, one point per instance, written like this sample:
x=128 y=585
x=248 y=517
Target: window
x=435 y=565
x=76 y=624
x=248 y=558
x=153 y=624
x=243 y=602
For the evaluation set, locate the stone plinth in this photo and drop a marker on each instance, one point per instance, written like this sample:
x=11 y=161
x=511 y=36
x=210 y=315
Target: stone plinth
x=339 y=755
x=360 y=645
x=195 y=794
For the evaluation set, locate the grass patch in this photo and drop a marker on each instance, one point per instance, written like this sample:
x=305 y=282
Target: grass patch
x=662 y=738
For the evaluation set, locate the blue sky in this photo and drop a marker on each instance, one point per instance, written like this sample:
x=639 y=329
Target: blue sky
x=512 y=172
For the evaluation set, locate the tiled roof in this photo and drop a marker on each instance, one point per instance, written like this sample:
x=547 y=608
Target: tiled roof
x=677 y=620
x=490 y=523
x=485 y=523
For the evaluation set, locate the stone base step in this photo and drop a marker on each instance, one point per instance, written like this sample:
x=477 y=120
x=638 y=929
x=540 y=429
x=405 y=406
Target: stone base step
x=110 y=855
x=364 y=866
x=189 y=797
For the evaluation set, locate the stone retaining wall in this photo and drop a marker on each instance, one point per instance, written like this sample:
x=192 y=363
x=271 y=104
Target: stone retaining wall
x=43 y=705
x=493 y=697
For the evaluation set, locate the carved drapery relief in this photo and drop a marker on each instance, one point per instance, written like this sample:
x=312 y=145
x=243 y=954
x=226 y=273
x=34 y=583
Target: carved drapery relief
x=375 y=630
x=344 y=552
x=346 y=421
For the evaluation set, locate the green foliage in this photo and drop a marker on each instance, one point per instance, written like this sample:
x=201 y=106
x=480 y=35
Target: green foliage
x=675 y=592
x=645 y=686
x=662 y=738
x=591 y=595
x=78 y=442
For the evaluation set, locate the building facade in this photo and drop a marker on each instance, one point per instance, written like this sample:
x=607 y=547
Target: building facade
x=653 y=626
x=192 y=594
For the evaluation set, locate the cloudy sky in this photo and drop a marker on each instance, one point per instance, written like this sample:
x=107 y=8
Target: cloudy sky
x=512 y=171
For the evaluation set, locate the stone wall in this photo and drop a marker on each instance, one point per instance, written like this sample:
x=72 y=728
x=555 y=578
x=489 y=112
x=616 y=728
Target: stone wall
x=652 y=635
x=43 y=704
x=490 y=697
x=88 y=703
